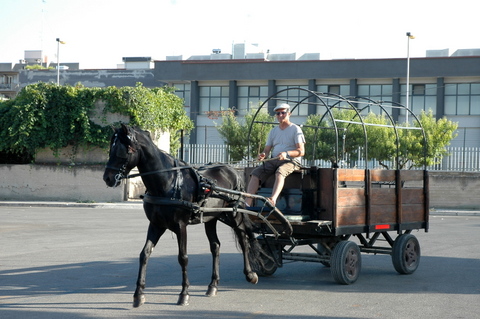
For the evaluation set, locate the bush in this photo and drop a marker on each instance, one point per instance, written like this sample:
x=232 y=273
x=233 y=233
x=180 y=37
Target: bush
x=45 y=115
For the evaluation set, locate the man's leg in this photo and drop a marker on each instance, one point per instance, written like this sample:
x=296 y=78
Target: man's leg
x=277 y=187
x=252 y=188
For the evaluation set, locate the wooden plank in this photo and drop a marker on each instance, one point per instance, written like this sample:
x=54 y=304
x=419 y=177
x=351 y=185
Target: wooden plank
x=382 y=196
x=411 y=175
x=413 y=213
x=350 y=175
x=352 y=215
x=413 y=196
x=325 y=193
x=350 y=197
x=382 y=175
x=383 y=214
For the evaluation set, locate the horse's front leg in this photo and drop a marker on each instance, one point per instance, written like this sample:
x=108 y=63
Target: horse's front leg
x=211 y=231
x=183 y=261
x=153 y=235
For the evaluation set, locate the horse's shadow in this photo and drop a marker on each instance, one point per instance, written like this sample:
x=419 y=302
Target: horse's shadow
x=115 y=276
x=88 y=277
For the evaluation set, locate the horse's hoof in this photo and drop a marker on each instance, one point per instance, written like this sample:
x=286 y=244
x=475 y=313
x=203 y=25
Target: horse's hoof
x=183 y=300
x=252 y=278
x=211 y=292
x=138 y=301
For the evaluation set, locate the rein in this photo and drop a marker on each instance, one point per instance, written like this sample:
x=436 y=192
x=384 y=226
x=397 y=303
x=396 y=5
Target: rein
x=157 y=171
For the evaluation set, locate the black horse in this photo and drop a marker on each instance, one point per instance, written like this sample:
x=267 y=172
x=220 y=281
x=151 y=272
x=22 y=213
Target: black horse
x=175 y=195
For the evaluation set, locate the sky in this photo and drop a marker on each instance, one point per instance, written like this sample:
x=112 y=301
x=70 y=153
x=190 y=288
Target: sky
x=99 y=33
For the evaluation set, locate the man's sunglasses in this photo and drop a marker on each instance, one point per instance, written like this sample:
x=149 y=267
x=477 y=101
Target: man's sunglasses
x=280 y=113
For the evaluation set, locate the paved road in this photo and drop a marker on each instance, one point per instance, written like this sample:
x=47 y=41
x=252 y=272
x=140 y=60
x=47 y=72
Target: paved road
x=81 y=262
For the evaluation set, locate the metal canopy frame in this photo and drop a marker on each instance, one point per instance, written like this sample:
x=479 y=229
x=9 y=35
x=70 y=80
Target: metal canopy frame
x=356 y=103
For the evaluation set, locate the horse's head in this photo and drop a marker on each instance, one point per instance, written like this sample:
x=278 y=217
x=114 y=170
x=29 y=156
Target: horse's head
x=123 y=155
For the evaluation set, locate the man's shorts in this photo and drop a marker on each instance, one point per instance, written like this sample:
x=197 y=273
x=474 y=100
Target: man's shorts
x=268 y=168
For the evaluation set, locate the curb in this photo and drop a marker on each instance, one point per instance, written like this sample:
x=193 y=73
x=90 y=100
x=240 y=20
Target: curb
x=447 y=212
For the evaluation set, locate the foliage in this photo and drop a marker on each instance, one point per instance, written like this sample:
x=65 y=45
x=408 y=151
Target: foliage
x=320 y=135
x=236 y=133
x=151 y=109
x=38 y=67
x=381 y=139
x=47 y=115
x=412 y=150
x=439 y=133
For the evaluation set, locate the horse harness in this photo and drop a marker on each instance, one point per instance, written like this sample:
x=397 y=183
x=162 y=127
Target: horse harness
x=206 y=190
x=206 y=187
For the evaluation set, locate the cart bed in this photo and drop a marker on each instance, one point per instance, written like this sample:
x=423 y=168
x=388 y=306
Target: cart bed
x=333 y=202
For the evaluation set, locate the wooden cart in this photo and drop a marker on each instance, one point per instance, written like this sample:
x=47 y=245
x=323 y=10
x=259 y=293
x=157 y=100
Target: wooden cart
x=328 y=207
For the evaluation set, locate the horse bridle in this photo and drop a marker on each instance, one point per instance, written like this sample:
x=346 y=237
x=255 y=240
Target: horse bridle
x=124 y=152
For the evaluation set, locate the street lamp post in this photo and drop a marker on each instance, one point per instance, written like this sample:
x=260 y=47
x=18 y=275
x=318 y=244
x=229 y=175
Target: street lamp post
x=409 y=36
x=58 y=60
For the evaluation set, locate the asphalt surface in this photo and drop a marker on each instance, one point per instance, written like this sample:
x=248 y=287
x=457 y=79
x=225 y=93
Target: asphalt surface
x=80 y=260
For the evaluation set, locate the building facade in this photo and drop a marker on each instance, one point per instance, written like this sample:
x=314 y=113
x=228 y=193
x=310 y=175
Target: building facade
x=449 y=86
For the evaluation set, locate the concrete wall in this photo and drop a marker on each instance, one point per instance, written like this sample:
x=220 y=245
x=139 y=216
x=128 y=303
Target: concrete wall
x=459 y=190
x=68 y=155
x=56 y=183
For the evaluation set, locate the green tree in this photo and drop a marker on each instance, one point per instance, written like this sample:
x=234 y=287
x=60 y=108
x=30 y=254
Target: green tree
x=321 y=136
x=439 y=134
x=235 y=133
x=381 y=138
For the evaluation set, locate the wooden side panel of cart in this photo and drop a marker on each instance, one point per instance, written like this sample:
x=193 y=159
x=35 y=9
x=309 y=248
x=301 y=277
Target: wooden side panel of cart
x=358 y=200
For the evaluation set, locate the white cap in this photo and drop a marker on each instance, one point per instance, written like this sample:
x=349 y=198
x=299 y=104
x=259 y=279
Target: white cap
x=282 y=106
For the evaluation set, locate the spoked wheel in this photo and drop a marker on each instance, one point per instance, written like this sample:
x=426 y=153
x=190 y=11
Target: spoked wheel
x=406 y=254
x=270 y=257
x=346 y=262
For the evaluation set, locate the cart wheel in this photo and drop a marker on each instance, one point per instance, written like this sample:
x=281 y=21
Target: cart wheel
x=406 y=254
x=346 y=262
x=269 y=262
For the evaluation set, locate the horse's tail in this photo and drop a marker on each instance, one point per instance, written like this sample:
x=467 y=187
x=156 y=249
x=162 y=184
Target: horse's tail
x=233 y=178
x=257 y=255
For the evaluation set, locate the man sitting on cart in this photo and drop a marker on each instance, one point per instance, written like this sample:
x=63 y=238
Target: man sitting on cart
x=286 y=144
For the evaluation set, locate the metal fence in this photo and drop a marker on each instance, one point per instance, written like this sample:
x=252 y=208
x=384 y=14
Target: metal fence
x=464 y=159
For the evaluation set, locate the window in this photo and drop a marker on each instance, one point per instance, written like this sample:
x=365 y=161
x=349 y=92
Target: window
x=292 y=97
x=183 y=92
x=462 y=99
x=418 y=89
x=343 y=90
x=377 y=93
x=213 y=98
x=422 y=97
x=250 y=97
